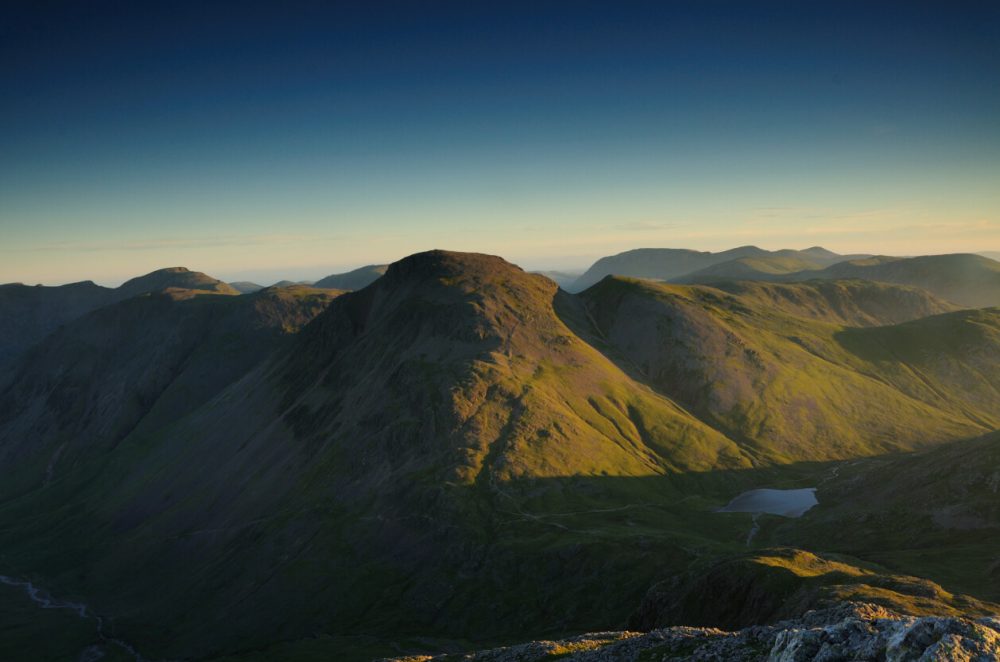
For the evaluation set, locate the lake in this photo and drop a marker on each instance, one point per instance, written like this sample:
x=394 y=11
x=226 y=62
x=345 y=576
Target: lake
x=787 y=503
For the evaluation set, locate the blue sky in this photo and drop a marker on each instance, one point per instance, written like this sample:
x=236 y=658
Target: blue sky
x=296 y=139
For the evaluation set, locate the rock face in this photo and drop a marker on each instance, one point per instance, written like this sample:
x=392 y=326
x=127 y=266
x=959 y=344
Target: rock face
x=850 y=631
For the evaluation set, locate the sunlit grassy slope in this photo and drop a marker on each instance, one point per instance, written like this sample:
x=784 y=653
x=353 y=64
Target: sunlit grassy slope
x=776 y=367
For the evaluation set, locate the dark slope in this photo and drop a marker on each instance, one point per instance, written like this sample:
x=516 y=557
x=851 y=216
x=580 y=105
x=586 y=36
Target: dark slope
x=141 y=362
x=28 y=314
x=671 y=263
x=353 y=280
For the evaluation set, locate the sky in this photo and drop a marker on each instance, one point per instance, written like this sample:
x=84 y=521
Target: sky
x=297 y=139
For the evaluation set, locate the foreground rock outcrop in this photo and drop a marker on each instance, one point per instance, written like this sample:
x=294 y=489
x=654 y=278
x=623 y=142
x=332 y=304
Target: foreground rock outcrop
x=850 y=631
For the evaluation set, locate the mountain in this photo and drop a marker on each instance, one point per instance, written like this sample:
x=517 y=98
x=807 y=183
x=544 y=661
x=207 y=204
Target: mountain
x=383 y=443
x=776 y=367
x=751 y=268
x=846 y=302
x=658 y=263
x=965 y=279
x=173 y=278
x=246 y=287
x=765 y=267
x=28 y=314
x=348 y=475
x=670 y=263
x=993 y=255
x=353 y=280
x=139 y=362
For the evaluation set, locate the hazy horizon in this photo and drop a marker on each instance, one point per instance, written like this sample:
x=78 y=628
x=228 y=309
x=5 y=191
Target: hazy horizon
x=319 y=138
x=569 y=264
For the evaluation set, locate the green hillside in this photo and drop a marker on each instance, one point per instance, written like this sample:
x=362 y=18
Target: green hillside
x=752 y=268
x=795 y=387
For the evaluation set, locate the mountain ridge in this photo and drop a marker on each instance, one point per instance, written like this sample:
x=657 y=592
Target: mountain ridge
x=354 y=279
x=964 y=278
x=29 y=313
x=670 y=263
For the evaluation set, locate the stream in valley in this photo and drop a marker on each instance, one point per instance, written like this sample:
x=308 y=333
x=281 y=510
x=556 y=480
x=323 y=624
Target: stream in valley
x=44 y=600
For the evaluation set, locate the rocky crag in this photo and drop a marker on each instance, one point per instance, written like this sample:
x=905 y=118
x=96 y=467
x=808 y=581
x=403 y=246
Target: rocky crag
x=850 y=631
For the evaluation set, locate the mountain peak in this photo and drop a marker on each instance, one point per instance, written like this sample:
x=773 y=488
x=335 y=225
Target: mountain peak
x=439 y=263
x=819 y=251
x=176 y=278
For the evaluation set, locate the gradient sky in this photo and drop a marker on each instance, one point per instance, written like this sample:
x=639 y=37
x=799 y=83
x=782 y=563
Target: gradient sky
x=298 y=139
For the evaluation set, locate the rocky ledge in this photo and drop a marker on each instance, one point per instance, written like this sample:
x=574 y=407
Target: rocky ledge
x=850 y=631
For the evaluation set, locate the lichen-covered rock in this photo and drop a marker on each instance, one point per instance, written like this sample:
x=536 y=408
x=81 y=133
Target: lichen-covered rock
x=854 y=632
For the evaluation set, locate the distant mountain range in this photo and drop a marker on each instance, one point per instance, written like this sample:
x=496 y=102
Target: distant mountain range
x=670 y=263
x=317 y=465
x=965 y=279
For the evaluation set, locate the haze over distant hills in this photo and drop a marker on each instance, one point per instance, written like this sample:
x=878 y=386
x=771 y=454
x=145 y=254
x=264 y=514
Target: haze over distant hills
x=965 y=279
x=317 y=464
x=669 y=263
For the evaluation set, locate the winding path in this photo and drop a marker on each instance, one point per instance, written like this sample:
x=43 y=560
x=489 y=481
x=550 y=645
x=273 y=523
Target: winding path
x=44 y=599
